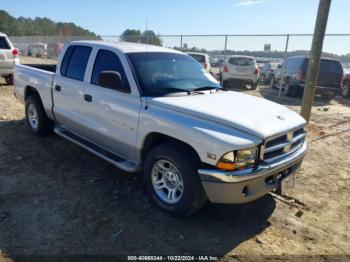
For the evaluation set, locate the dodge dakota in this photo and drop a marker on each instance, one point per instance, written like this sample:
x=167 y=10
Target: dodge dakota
x=156 y=111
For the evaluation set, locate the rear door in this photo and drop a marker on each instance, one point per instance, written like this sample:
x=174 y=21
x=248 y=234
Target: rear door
x=111 y=115
x=242 y=66
x=68 y=87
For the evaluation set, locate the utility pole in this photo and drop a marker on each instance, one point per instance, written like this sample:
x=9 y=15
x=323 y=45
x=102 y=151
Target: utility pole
x=315 y=58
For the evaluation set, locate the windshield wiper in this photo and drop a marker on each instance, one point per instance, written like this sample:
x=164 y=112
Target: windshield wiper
x=203 y=88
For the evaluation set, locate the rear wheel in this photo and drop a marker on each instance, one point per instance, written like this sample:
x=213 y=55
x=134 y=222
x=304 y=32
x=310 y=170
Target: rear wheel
x=254 y=86
x=36 y=118
x=172 y=180
x=289 y=90
x=9 y=80
x=346 y=90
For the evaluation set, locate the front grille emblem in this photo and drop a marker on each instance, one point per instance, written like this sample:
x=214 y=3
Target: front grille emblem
x=289 y=141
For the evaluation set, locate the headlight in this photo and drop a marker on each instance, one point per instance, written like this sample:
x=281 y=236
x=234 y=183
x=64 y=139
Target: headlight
x=237 y=160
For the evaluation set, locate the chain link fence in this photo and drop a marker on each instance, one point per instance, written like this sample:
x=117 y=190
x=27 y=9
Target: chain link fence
x=281 y=59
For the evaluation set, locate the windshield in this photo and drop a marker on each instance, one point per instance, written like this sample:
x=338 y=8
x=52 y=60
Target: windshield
x=199 y=58
x=159 y=72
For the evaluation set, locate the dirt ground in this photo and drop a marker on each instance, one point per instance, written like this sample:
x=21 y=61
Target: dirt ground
x=58 y=199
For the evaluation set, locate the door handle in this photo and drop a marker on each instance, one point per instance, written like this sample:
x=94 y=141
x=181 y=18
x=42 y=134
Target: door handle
x=57 y=88
x=88 y=98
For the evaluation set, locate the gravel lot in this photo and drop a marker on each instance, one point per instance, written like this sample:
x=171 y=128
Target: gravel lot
x=58 y=199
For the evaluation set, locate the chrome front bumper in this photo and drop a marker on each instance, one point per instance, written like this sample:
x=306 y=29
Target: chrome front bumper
x=250 y=184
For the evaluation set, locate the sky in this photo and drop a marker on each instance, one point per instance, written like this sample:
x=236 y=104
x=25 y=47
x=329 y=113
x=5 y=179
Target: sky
x=112 y=17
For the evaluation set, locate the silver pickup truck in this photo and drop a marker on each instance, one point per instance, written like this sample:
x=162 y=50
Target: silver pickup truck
x=156 y=110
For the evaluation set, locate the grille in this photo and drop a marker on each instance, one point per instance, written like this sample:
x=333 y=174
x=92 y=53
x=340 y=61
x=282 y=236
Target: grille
x=283 y=145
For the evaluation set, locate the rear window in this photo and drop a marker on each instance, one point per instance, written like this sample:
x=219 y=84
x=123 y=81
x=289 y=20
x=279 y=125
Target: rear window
x=75 y=62
x=3 y=43
x=327 y=66
x=199 y=58
x=241 y=61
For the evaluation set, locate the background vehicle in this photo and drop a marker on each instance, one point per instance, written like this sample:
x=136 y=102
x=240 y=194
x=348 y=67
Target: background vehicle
x=8 y=58
x=346 y=85
x=159 y=112
x=241 y=68
x=328 y=82
x=268 y=72
x=38 y=50
x=203 y=59
x=54 y=50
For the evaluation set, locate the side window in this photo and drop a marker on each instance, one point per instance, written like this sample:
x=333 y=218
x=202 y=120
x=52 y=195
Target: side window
x=75 y=62
x=109 y=61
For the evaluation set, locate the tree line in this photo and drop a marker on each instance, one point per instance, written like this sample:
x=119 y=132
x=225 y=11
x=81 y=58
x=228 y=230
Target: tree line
x=22 y=26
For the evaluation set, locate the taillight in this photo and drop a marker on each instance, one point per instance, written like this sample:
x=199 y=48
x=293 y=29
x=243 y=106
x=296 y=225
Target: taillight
x=206 y=66
x=298 y=75
x=226 y=69
x=256 y=72
x=15 y=53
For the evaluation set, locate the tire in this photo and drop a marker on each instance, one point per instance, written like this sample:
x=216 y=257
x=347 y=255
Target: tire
x=177 y=167
x=9 y=80
x=36 y=118
x=346 y=90
x=289 y=90
x=253 y=86
x=272 y=82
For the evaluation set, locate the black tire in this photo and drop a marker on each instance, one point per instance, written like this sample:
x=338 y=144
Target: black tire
x=193 y=196
x=272 y=82
x=289 y=90
x=253 y=86
x=346 y=90
x=9 y=80
x=44 y=125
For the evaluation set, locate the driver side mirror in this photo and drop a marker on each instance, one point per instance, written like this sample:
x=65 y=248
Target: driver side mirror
x=112 y=80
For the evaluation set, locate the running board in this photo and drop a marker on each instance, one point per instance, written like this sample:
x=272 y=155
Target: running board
x=115 y=160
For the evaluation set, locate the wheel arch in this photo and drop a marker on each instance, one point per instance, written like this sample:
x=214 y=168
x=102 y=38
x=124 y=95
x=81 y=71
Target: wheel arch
x=155 y=138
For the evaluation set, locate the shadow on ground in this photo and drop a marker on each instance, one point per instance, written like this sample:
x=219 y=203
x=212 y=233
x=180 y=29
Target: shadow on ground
x=57 y=199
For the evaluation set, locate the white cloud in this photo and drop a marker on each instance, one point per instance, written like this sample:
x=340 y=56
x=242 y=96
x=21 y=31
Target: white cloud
x=248 y=2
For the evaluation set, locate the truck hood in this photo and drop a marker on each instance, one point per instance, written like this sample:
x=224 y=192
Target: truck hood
x=253 y=115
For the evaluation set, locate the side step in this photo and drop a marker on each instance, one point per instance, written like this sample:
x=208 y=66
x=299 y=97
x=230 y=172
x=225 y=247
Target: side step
x=115 y=160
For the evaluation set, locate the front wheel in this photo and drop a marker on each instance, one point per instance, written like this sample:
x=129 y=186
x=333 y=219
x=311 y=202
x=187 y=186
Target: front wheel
x=172 y=180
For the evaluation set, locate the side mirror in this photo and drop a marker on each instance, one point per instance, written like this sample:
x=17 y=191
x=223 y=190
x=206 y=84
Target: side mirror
x=110 y=79
x=279 y=66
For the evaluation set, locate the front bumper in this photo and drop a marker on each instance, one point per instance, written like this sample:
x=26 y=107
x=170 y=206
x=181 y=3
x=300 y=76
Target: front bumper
x=250 y=184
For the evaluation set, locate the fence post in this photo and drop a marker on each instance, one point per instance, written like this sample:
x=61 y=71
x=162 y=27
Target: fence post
x=225 y=50
x=315 y=58
x=180 y=41
x=284 y=60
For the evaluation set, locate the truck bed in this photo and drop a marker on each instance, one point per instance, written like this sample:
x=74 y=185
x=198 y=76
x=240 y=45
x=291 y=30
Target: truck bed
x=38 y=76
x=45 y=67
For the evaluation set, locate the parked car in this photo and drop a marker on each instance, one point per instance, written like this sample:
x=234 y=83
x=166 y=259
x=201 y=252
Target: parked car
x=346 y=85
x=328 y=82
x=158 y=112
x=202 y=58
x=54 y=49
x=8 y=58
x=268 y=72
x=241 y=68
x=38 y=50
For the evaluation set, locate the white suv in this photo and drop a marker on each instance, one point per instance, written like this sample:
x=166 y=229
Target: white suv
x=8 y=58
x=203 y=59
x=241 y=68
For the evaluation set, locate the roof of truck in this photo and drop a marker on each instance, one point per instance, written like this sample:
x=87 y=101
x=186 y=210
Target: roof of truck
x=127 y=47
